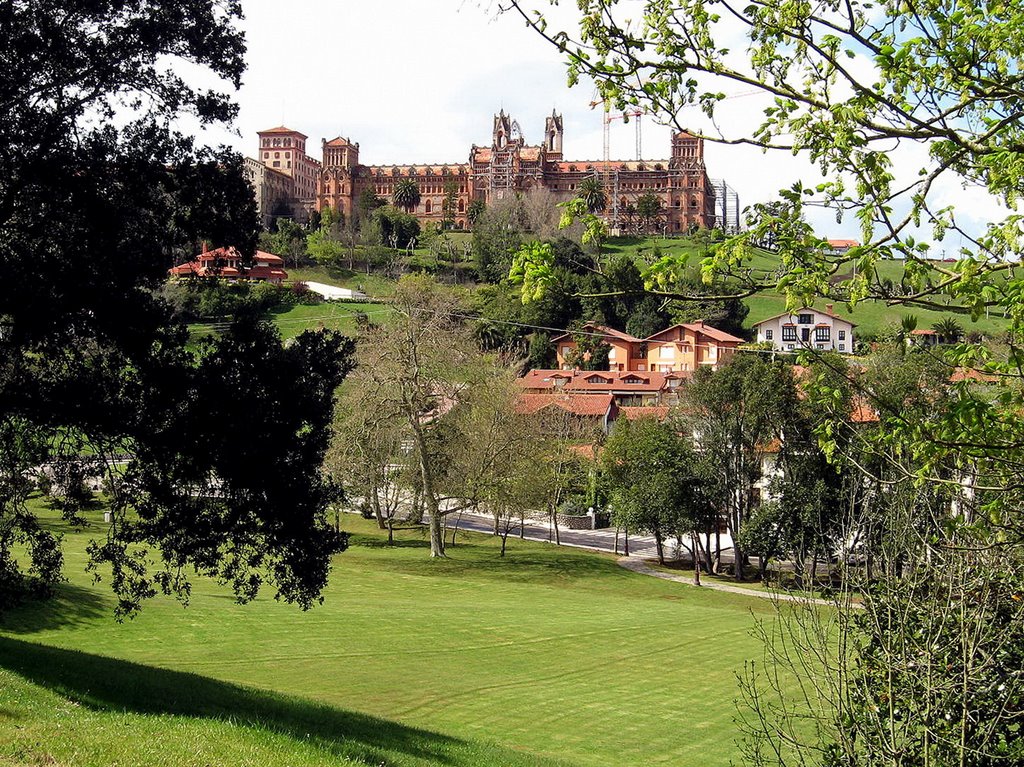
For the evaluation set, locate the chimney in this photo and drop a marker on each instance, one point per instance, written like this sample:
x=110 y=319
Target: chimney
x=828 y=308
x=206 y=248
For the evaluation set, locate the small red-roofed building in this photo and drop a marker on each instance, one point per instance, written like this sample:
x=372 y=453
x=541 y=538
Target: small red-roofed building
x=228 y=264
x=596 y=410
x=839 y=247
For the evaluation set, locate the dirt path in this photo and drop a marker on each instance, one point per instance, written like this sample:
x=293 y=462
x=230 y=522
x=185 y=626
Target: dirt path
x=637 y=565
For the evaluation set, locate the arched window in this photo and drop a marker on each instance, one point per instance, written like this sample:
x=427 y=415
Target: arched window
x=462 y=206
x=426 y=206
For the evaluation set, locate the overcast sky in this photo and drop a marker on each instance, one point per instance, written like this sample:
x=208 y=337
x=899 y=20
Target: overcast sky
x=419 y=81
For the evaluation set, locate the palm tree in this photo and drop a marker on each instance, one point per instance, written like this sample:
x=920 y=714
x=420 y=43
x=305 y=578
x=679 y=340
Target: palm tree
x=949 y=330
x=592 y=193
x=406 y=195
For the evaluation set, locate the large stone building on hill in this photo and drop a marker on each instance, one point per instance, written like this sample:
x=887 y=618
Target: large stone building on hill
x=507 y=166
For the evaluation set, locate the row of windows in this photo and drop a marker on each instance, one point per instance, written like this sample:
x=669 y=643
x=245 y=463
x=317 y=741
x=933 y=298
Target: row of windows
x=789 y=334
x=282 y=142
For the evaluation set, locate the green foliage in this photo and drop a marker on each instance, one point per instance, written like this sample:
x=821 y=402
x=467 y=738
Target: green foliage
x=94 y=364
x=406 y=195
x=593 y=194
x=497 y=235
x=475 y=211
x=394 y=228
x=367 y=202
x=287 y=240
x=532 y=268
x=654 y=480
x=649 y=210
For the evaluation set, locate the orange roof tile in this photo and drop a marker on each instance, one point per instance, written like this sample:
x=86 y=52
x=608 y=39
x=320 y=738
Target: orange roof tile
x=970 y=374
x=282 y=129
x=577 y=381
x=577 y=404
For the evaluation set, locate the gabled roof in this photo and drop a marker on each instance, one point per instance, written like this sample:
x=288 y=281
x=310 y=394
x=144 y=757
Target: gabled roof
x=700 y=328
x=338 y=141
x=592 y=405
x=282 y=129
x=804 y=310
x=204 y=265
x=577 y=381
x=593 y=328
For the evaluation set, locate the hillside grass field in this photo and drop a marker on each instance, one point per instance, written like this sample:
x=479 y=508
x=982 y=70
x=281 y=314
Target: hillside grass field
x=550 y=656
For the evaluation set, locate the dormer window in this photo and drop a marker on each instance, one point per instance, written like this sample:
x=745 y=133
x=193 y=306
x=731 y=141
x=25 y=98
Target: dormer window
x=598 y=380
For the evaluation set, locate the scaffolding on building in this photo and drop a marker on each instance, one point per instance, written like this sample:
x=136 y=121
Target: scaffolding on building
x=727 y=207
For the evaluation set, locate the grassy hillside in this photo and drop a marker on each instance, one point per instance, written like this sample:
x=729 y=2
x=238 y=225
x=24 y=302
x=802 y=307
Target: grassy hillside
x=872 y=317
x=549 y=656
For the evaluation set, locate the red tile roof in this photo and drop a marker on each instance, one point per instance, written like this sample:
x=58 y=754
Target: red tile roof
x=862 y=412
x=634 y=413
x=205 y=265
x=576 y=380
x=591 y=327
x=578 y=404
x=282 y=129
x=970 y=374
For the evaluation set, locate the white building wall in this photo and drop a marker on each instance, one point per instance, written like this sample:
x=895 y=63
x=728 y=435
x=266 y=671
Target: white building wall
x=840 y=332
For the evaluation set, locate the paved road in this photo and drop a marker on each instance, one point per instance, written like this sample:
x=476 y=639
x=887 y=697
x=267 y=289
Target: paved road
x=596 y=540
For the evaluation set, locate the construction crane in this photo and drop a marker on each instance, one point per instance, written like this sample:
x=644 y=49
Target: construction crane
x=637 y=113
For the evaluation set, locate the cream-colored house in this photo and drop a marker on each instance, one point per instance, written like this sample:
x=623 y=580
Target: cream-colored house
x=807 y=329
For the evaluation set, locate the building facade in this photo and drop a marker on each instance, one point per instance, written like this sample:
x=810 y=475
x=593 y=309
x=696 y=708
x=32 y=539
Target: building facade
x=285 y=179
x=807 y=329
x=228 y=264
x=682 y=348
x=508 y=165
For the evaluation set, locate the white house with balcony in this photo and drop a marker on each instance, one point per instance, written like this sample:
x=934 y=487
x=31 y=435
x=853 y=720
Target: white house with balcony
x=807 y=328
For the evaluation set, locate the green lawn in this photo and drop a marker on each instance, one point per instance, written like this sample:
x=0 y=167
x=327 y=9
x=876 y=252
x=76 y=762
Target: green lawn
x=550 y=656
x=374 y=285
x=332 y=315
x=873 y=317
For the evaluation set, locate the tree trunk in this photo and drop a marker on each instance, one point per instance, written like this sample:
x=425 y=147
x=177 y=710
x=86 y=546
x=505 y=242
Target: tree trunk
x=391 y=531
x=696 y=558
x=429 y=497
x=718 y=547
x=660 y=547
x=625 y=532
x=375 y=502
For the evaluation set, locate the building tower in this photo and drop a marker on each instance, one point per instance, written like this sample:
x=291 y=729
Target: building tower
x=553 y=136
x=336 y=191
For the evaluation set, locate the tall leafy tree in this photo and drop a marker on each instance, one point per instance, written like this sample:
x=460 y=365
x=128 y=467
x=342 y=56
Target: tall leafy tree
x=99 y=195
x=891 y=102
x=649 y=210
x=735 y=413
x=406 y=195
x=654 y=482
x=593 y=194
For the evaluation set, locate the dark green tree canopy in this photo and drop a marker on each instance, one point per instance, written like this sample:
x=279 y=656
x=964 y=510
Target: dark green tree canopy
x=99 y=195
